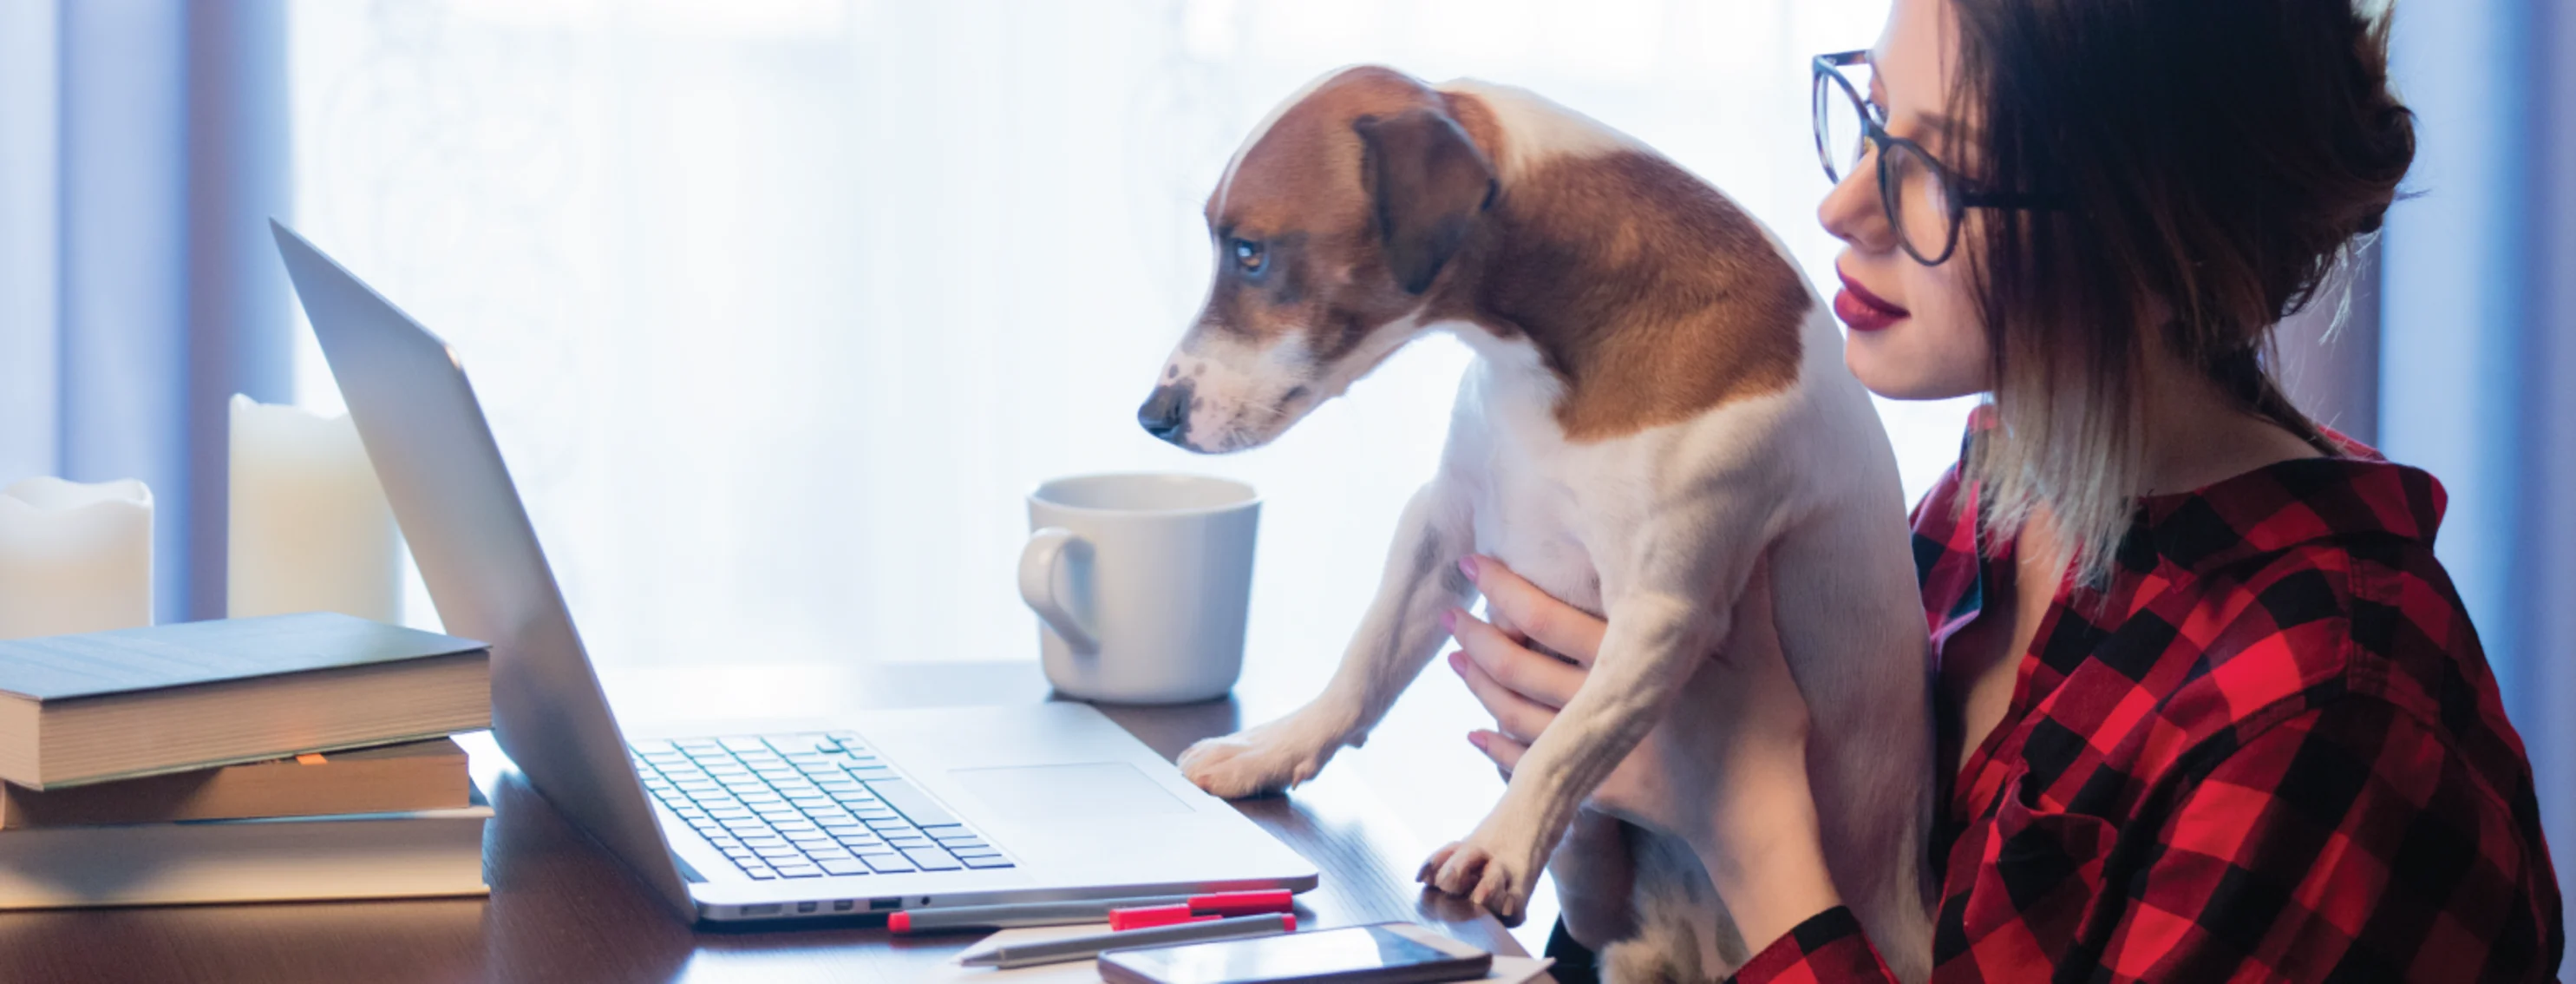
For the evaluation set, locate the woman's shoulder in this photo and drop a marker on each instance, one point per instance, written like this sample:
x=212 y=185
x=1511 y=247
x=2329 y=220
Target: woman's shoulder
x=2362 y=620
x=2304 y=583
x=2244 y=603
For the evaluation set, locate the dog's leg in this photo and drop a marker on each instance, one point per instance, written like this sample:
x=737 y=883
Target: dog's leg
x=1667 y=591
x=1396 y=637
x=1644 y=659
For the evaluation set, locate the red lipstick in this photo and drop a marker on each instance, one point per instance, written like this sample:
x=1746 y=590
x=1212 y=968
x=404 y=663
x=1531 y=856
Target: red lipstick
x=1862 y=310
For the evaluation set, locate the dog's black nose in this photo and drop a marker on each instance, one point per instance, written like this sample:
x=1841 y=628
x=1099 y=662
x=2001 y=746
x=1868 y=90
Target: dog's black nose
x=1167 y=413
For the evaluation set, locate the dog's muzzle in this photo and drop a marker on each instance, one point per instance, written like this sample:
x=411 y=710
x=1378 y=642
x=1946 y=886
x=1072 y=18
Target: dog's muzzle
x=1166 y=414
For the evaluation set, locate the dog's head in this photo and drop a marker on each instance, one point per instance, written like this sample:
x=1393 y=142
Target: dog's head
x=1331 y=225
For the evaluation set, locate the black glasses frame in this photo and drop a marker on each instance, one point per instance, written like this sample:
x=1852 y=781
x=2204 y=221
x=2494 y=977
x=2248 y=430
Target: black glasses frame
x=1960 y=193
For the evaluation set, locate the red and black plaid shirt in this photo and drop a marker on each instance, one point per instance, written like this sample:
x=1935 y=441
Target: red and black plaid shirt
x=2268 y=748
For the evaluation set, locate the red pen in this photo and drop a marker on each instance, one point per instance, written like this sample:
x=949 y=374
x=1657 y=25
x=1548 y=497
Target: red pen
x=1201 y=908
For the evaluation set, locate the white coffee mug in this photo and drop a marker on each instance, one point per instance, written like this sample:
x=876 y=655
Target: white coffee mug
x=1141 y=584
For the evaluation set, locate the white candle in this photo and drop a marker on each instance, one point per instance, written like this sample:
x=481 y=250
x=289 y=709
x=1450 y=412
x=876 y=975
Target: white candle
x=310 y=527
x=74 y=557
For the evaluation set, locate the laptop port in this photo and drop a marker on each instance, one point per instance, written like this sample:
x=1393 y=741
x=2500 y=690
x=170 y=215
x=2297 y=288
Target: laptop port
x=880 y=905
x=844 y=905
x=805 y=906
x=768 y=909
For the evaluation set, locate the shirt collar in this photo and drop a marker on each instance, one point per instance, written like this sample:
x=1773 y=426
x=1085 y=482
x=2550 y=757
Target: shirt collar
x=2353 y=493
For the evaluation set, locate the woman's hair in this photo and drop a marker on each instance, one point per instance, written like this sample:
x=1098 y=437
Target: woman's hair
x=2211 y=162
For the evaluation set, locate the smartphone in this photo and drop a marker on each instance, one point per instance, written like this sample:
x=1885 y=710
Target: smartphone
x=1378 y=953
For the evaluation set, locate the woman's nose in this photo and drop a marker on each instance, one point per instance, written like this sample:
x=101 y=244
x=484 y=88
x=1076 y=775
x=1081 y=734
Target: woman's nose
x=1853 y=212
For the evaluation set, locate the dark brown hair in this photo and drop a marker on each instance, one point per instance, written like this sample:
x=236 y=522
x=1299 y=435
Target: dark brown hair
x=2212 y=160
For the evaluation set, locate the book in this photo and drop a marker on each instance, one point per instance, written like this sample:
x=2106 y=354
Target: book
x=367 y=856
x=420 y=775
x=78 y=709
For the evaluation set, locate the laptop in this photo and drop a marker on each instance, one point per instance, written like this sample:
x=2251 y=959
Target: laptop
x=885 y=811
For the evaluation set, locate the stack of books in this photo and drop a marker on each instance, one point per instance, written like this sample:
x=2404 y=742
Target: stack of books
x=263 y=759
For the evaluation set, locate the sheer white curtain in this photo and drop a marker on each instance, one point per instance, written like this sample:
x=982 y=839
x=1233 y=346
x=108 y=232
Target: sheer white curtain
x=143 y=147
x=779 y=306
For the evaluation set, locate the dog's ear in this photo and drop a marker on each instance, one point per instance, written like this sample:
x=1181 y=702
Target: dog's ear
x=1427 y=183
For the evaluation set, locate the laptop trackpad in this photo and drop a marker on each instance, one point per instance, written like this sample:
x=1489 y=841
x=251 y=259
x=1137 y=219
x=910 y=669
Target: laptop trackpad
x=1094 y=789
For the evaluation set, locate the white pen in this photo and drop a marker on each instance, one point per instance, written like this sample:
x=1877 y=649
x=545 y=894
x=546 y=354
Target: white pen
x=1087 y=947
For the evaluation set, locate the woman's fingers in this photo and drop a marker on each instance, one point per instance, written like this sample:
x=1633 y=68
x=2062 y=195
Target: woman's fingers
x=1534 y=675
x=1502 y=748
x=1517 y=716
x=1554 y=624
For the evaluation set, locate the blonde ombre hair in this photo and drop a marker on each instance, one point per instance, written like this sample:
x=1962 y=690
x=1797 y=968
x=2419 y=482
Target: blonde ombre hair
x=2211 y=163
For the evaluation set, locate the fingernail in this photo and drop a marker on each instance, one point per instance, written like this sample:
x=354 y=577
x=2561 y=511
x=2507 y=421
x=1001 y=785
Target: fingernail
x=1467 y=566
x=1458 y=660
x=1449 y=619
x=1476 y=738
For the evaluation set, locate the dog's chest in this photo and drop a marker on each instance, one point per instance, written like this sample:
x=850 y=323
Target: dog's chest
x=1535 y=512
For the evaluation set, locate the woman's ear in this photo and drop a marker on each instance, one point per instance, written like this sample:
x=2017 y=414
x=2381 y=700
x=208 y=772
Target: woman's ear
x=1428 y=183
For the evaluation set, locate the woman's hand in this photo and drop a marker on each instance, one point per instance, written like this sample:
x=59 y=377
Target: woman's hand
x=1725 y=770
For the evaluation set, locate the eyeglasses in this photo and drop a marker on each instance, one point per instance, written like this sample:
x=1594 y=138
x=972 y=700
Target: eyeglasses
x=1924 y=198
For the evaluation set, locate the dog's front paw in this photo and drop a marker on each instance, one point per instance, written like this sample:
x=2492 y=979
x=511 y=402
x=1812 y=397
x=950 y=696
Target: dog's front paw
x=1498 y=880
x=1260 y=760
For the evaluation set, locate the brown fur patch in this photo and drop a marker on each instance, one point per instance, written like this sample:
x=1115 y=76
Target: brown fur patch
x=1303 y=163
x=1653 y=296
x=1299 y=190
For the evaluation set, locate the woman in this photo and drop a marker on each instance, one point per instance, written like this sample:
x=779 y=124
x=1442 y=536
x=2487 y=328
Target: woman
x=2210 y=708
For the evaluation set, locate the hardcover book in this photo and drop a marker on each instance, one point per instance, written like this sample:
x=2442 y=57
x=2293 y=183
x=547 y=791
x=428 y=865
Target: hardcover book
x=413 y=776
x=371 y=856
x=80 y=709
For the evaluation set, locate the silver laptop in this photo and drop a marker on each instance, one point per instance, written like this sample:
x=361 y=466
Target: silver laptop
x=801 y=819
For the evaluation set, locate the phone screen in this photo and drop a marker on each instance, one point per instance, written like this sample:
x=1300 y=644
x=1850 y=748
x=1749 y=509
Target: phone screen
x=1284 y=957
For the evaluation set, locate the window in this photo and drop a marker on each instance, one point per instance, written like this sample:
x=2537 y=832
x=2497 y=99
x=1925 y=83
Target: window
x=779 y=306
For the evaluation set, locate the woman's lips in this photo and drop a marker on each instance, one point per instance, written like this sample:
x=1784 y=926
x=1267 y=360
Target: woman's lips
x=1862 y=310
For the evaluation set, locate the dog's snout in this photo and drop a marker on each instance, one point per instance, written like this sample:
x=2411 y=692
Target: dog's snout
x=1166 y=414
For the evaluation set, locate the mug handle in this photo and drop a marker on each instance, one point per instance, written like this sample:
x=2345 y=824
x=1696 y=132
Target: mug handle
x=1038 y=563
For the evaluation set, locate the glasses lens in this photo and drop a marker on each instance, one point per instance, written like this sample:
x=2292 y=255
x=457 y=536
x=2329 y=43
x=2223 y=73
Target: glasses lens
x=1841 y=138
x=1918 y=200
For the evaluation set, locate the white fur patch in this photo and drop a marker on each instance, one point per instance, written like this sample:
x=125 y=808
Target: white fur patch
x=1537 y=129
x=1364 y=358
x=1241 y=394
x=1245 y=395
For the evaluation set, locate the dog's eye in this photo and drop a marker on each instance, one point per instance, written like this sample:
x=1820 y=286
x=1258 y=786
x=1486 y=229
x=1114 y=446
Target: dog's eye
x=1249 y=256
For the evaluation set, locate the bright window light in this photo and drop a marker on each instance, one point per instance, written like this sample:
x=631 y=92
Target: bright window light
x=779 y=307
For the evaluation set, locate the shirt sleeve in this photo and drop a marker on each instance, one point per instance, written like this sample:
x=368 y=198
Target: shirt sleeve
x=1828 y=947
x=2352 y=841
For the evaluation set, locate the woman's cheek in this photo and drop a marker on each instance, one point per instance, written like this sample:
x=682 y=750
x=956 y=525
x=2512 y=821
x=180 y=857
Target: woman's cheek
x=1951 y=334
x=1955 y=362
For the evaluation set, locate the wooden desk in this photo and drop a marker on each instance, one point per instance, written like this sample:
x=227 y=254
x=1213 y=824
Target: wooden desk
x=562 y=910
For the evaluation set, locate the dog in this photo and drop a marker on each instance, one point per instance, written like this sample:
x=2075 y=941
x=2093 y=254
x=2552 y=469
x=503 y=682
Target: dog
x=1657 y=412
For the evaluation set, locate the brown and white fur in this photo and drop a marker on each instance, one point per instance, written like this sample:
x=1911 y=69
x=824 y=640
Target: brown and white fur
x=1658 y=405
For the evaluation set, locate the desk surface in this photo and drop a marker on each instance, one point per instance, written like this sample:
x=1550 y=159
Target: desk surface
x=561 y=910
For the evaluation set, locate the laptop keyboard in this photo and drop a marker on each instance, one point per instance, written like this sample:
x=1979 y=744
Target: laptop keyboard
x=807 y=806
